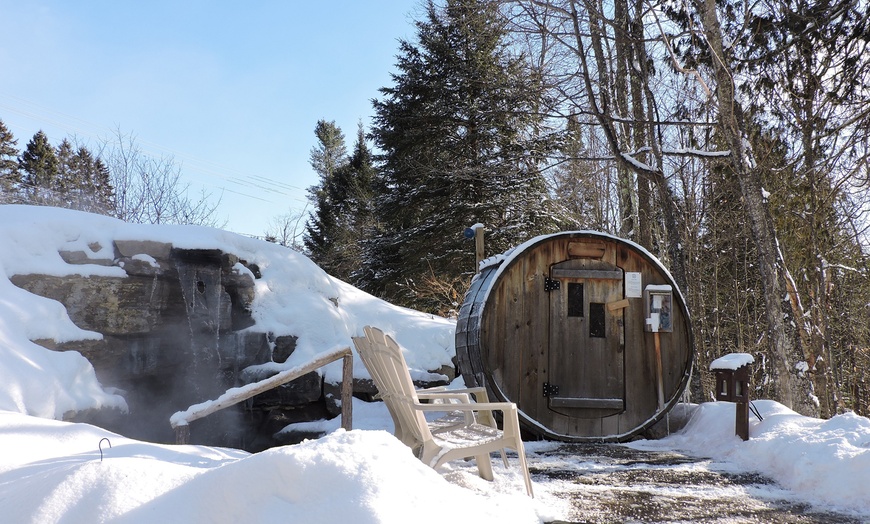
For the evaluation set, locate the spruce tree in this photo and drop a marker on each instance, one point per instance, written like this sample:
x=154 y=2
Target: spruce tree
x=360 y=189
x=330 y=152
x=354 y=187
x=40 y=168
x=86 y=182
x=459 y=132
x=322 y=229
x=104 y=192
x=66 y=180
x=10 y=176
x=342 y=203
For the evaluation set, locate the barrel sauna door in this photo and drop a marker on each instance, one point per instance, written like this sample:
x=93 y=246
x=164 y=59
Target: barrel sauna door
x=586 y=345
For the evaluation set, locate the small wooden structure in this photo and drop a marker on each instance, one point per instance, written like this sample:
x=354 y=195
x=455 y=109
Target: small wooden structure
x=586 y=332
x=732 y=385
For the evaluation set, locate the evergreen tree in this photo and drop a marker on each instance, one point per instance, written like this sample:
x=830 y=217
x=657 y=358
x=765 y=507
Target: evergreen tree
x=361 y=165
x=460 y=136
x=104 y=192
x=86 y=182
x=40 y=166
x=67 y=173
x=330 y=152
x=10 y=176
x=342 y=210
x=322 y=228
x=356 y=182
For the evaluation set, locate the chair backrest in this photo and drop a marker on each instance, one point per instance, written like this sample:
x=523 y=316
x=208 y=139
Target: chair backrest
x=383 y=358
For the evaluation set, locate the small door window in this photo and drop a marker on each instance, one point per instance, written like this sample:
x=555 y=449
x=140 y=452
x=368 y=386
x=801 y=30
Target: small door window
x=575 y=299
x=596 y=320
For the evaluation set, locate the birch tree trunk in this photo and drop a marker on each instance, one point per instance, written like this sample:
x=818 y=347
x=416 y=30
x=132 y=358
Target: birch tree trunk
x=760 y=221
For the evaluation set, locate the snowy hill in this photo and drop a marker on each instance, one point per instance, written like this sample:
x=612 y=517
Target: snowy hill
x=293 y=297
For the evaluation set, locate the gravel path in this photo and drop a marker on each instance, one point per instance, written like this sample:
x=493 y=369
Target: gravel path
x=611 y=483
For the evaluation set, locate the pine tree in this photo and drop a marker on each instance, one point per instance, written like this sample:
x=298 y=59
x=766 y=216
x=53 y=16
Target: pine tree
x=460 y=136
x=40 y=166
x=355 y=181
x=322 y=229
x=342 y=207
x=104 y=192
x=330 y=152
x=10 y=176
x=67 y=174
x=86 y=182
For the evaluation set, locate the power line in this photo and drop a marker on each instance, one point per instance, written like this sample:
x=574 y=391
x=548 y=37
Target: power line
x=191 y=164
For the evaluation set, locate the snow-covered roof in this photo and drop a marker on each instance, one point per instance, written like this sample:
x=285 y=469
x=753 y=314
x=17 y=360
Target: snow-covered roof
x=732 y=361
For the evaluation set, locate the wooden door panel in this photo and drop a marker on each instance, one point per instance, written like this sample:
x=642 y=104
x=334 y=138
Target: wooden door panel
x=586 y=342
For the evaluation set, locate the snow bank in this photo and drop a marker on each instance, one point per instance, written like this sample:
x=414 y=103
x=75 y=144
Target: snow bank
x=356 y=476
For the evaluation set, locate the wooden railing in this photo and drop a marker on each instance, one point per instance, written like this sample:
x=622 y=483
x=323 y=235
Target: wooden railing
x=181 y=420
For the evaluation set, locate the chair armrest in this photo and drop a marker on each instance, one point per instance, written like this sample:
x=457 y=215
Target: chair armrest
x=446 y=395
x=479 y=393
x=473 y=406
x=445 y=398
x=483 y=411
x=482 y=416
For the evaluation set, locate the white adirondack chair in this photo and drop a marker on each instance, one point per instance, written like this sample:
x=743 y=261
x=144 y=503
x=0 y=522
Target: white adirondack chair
x=468 y=430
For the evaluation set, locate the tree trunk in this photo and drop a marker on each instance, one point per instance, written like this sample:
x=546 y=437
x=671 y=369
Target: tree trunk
x=631 y=226
x=754 y=201
x=642 y=135
x=600 y=105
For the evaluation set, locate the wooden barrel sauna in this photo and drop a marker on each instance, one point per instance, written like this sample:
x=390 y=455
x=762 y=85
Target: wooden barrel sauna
x=586 y=332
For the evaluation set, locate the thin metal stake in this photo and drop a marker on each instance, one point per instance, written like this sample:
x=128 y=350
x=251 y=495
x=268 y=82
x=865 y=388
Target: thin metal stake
x=100 y=445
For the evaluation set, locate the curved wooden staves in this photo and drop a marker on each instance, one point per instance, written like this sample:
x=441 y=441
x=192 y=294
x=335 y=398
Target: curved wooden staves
x=555 y=326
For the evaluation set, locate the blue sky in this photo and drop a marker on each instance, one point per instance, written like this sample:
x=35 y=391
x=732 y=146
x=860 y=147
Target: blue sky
x=231 y=90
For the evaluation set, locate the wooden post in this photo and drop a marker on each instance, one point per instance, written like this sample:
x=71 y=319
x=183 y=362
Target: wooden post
x=347 y=392
x=182 y=434
x=659 y=380
x=478 y=246
x=741 y=424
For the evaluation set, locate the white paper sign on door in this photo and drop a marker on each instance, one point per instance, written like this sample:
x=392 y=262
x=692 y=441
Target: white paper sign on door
x=633 y=285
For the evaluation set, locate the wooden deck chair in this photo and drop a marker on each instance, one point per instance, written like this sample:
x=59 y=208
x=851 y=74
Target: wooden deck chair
x=461 y=434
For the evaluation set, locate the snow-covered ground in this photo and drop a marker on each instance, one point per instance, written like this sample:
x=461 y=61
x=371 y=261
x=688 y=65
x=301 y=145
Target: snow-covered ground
x=53 y=471
x=825 y=463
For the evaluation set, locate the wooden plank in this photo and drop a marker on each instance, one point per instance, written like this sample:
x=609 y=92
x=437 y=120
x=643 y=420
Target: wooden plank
x=594 y=249
x=587 y=403
x=535 y=327
x=598 y=274
x=610 y=425
x=347 y=392
x=235 y=395
x=619 y=304
x=640 y=377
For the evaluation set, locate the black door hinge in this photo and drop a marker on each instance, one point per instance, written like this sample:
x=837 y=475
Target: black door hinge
x=550 y=390
x=551 y=284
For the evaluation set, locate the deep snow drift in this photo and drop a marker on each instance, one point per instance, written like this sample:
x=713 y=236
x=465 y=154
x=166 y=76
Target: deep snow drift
x=52 y=471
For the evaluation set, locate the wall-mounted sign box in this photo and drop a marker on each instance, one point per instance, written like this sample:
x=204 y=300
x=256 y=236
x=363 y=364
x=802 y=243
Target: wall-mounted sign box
x=658 y=305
